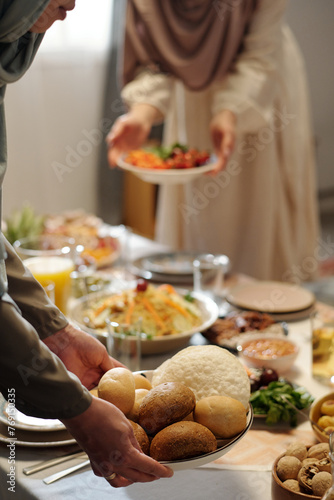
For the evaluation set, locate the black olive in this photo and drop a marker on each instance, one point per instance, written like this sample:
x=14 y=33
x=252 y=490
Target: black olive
x=268 y=375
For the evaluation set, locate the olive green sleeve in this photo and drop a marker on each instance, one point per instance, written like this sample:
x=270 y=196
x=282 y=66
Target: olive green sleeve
x=43 y=387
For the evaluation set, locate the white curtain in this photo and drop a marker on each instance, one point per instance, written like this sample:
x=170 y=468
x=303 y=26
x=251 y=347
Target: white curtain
x=54 y=116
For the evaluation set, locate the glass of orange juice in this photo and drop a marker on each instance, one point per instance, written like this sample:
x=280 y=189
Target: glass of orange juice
x=56 y=269
x=50 y=260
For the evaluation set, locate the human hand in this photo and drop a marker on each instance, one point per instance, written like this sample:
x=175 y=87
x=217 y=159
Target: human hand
x=223 y=131
x=130 y=131
x=82 y=354
x=107 y=437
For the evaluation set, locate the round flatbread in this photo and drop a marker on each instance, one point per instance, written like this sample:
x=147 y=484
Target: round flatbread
x=208 y=371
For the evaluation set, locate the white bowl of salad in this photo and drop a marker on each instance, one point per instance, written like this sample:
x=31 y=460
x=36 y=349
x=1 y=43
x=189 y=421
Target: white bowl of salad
x=168 y=316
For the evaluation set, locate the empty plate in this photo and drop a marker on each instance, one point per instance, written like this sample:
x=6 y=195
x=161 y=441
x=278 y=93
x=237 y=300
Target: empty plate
x=271 y=297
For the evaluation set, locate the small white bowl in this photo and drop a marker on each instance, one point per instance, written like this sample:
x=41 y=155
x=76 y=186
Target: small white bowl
x=277 y=353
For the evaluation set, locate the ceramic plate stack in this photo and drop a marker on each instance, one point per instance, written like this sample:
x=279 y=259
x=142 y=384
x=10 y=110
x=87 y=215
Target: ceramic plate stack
x=173 y=267
x=284 y=301
x=31 y=431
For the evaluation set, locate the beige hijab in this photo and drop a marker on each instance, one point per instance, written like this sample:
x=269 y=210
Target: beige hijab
x=194 y=40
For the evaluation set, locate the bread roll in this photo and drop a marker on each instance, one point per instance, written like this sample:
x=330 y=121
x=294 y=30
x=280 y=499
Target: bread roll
x=189 y=417
x=118 y=387
x=224 y=416
x=182 y=440
x=141 y=437
x=165 y=404
x=141 y=382
x=134 y=412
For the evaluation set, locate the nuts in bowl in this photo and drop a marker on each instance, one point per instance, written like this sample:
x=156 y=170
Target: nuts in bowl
x=277 y=353
x=302 y=472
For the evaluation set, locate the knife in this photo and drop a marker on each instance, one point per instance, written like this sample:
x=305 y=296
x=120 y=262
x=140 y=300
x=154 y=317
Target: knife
x=66 y=472
x=49 y=463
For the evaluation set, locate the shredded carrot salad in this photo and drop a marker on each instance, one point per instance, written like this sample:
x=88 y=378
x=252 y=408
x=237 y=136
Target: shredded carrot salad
x=161 y=310
x=145 y=159
x=177 y=156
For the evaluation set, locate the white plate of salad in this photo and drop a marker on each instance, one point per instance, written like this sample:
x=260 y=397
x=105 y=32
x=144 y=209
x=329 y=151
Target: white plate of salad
x=176 y=164
x=144 y=301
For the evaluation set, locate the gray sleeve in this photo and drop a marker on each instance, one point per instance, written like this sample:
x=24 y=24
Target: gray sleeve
x=43 y=387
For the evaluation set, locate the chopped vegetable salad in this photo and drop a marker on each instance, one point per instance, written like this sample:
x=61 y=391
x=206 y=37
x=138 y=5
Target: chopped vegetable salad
x=161 y=310
x=176 y=156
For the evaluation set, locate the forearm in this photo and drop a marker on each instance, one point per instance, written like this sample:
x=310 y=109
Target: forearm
x=43 y=386
x=146 y=112
x=149 y=89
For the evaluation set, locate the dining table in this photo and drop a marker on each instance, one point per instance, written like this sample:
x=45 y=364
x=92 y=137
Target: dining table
x=244 y=473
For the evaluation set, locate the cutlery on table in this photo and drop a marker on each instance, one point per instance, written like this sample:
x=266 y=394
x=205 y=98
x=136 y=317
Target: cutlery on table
x=49 y=463
x=66 y=472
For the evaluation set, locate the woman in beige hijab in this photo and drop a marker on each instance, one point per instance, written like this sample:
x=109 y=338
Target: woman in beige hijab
x=226 y=75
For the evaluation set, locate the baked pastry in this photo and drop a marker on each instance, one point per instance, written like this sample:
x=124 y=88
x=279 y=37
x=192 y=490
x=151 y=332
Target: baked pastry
x=139 y=396
x=141 y=437
x=224 y=416
x=208 y=370
x=182 y=440
x=117 y=386
x=165 y=404
x=141 y=382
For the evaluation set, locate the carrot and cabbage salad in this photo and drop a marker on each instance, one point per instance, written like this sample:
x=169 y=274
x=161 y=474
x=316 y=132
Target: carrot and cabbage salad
x=144 y=159
x=176 y=156
x=161 y=310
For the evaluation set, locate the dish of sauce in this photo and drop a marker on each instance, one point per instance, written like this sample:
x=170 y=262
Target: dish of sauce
x=268 y=348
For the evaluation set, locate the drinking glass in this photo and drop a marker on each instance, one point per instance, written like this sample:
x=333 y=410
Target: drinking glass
x=209 y=272
x=50 y=258
x=124 y=343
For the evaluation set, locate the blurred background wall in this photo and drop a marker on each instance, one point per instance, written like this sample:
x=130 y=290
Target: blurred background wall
x=312 y=23
x=54 y=115
x=58 y=114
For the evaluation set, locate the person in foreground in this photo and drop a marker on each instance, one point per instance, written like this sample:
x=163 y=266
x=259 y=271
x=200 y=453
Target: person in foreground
x=226 y=76
x=47 y=365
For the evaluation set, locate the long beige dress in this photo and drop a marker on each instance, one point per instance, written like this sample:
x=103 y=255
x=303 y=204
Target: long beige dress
x=262 y=210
